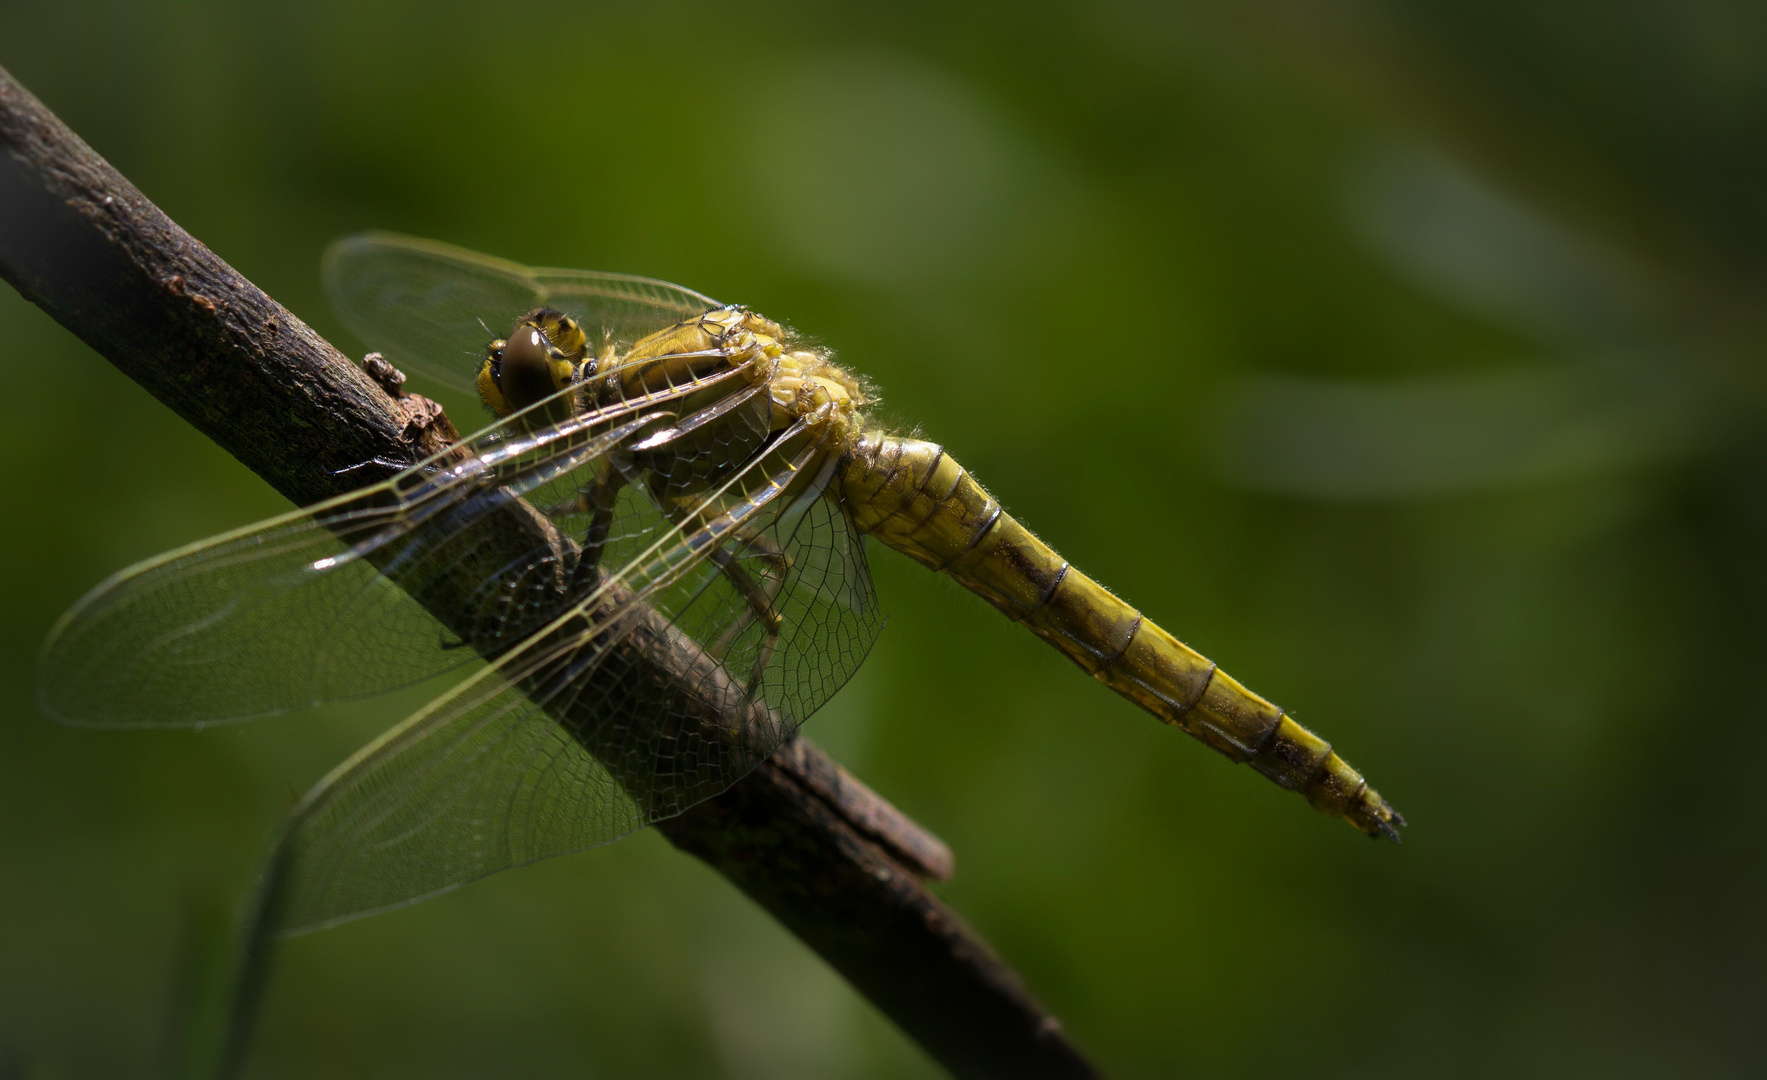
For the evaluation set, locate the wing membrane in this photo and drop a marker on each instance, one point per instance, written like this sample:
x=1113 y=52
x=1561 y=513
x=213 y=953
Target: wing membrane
x=335 y=602
x=447 y=797
x=427 y=305
x=655 y=692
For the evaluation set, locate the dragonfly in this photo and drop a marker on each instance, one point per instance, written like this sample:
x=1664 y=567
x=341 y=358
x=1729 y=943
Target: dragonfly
x=646 y=573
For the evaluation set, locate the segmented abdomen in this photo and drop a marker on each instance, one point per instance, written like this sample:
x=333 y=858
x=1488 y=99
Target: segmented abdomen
x=912 y=496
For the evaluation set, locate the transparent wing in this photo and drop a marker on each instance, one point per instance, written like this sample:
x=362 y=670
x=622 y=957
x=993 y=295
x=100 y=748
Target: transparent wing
x=341 y=600
x=428 y=305
x=668 y=682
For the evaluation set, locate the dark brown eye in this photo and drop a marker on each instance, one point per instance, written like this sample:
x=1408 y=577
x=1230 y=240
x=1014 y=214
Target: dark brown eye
x=528 y=347
x=524 y=367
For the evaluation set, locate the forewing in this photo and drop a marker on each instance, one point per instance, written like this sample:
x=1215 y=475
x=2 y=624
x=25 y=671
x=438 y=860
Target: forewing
x=619 y=308
x=641 y=704
x=433 y=307
x=341 y=600
x=249 y=624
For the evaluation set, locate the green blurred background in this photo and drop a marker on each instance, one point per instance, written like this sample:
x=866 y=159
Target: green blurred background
x=1403 y=357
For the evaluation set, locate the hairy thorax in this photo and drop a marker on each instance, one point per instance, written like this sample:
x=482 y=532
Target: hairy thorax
x=786 y=396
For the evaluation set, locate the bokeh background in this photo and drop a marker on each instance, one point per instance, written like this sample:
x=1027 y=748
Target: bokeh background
x=1404 y=357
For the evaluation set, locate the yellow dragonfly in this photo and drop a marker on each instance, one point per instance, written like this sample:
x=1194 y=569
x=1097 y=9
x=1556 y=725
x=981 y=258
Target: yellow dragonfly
x=657 y=551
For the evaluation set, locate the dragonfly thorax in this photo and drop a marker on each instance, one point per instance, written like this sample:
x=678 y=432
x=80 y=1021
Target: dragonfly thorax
x=794 y=383
x=805 y=384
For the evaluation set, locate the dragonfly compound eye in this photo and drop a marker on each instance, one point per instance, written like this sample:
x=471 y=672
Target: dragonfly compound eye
x=525 y=372
x=538 y=360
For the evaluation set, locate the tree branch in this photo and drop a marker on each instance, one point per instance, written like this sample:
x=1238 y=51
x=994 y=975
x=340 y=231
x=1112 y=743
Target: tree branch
x=828 y=858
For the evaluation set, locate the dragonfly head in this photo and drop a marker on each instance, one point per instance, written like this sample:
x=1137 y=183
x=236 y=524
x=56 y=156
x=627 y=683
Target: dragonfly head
x=540 y=357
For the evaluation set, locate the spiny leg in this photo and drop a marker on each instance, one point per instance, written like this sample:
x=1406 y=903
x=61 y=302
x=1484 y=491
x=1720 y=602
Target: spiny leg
x=765 y=548
x=758 y=597
x=761 y=603
x=597 y=498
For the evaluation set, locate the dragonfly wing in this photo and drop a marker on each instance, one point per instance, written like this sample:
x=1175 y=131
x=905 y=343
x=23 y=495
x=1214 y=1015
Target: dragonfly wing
x=809 y=563
x=427 y=306
x=433 y=307
x=481 y=781
x=659 y=691
x=257 y=622
x=625 y=308
x=340 y=601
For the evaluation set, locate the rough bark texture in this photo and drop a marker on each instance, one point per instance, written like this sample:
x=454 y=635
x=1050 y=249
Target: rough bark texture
x=828 y=858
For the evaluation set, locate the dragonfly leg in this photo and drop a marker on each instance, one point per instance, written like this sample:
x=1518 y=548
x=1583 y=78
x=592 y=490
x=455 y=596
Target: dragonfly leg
x=760 y=601
x=597 y=499
x=764 y=547
x=757 y=595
